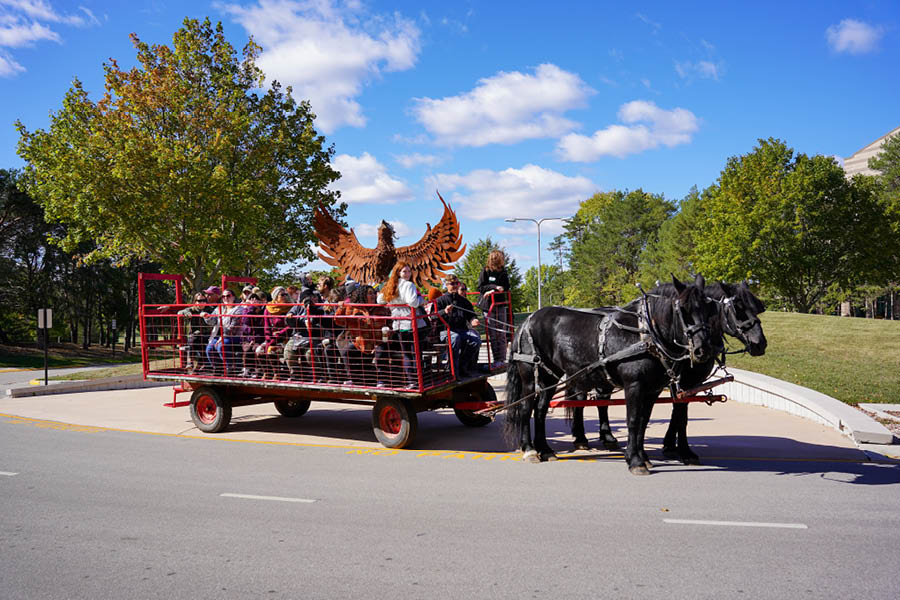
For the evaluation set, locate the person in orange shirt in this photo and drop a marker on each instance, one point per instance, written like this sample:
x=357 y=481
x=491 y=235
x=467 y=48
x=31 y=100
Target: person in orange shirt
x=363 y=318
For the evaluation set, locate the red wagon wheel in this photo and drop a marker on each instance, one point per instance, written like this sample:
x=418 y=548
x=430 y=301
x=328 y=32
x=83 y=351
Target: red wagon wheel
x=210 y=411
x=394 y=422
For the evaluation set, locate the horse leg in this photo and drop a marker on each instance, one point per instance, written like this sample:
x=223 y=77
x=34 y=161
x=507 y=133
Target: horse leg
x=670 y=442
x=606 y=437
x=646 y=411
x=540 y=420
x=678 y=447
x=529 y=454
x=634 y=418
x=581 y=441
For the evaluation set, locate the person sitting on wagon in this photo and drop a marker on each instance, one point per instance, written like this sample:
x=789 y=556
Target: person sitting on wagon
x=402 y=294
x=220 y=354
x=465 y=342
x=253 y=333
x=198 y=332
x=276 y=330
x=367 y=342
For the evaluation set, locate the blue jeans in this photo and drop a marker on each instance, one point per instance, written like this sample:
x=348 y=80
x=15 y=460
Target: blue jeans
x=465 y=347
x=219 y=347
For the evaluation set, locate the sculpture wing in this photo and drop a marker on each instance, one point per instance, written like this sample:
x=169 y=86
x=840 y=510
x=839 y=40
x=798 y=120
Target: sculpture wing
x=433 y=255
x=342 y=249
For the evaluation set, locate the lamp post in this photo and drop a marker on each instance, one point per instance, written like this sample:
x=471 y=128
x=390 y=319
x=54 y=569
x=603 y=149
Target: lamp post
x=538 y=223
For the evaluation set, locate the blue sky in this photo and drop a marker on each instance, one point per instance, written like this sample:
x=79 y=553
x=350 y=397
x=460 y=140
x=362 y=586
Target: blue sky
x=510 y=109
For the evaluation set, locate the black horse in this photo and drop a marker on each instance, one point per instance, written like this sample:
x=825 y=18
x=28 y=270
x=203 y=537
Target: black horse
x=738 y=308
x=641 y=348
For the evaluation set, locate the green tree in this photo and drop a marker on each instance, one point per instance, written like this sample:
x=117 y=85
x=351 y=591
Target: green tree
x=792 y=222
x=469 y=268
x=607 y=236
x=674 y=252
x=553 y=287
x=182 y=162
x=887 y=163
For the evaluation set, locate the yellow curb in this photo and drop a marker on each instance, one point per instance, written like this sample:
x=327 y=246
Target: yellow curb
x=11 y=370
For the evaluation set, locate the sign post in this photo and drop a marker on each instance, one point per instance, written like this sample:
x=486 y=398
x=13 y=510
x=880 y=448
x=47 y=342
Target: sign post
x=114 y=338
x=45 y=323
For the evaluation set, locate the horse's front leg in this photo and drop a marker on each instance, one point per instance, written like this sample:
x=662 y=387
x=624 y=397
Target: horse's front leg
x=646 y=411
x=608 y=440
x=676 y=444
x=634 y=418
x=525 y=409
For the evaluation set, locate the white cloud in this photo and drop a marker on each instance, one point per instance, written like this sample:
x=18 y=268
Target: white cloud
x=411 y=160
x=666 y=127
x=367 y=230
x=530 y=192
x=8 y=66
x=853 y=37
x=23 y=23
x=328 y=50
x=702 y=69
x=506 y=108
x=20 y=34
x=365 y=181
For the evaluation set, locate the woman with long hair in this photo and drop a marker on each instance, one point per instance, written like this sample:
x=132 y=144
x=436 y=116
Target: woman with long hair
x=403 y=296
x=493 y=284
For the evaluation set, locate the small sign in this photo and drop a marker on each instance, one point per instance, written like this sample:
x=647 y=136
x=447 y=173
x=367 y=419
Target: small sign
x=45 y=318
x=113 y=324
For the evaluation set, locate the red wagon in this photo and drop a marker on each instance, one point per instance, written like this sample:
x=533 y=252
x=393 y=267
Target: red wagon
x=417 y=373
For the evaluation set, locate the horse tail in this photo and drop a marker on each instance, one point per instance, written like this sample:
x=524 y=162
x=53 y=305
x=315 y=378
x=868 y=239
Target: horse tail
x=515 y=416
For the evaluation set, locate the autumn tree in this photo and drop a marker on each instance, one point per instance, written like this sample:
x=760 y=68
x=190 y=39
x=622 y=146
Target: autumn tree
x=794 y=223
x=182 y=162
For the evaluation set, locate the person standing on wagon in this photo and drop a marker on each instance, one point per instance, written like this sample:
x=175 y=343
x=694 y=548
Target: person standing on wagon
x=400 y=290
x=491 y=283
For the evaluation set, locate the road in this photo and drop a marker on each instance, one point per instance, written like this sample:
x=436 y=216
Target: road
x=97 y=513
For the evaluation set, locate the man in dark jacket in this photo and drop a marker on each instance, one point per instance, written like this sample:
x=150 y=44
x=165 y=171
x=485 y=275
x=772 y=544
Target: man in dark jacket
x=465 y=342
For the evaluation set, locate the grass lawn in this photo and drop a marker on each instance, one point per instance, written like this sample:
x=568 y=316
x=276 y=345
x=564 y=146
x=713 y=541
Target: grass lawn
x=62 y=356
x=851 y=359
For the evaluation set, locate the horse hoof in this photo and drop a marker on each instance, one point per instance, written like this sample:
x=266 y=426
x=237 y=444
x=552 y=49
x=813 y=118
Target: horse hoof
x=648 y=464
x=611 y=445
x=531 y=457
x=582 y=446
x=690 y=460
x=549 y=457
x=639 y=470
x=671 y=453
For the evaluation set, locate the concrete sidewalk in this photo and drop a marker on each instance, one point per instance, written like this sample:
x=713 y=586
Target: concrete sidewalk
x=727 y=431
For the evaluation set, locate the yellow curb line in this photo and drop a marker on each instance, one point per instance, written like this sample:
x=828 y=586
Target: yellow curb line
x=11 y=370
x=391 y=451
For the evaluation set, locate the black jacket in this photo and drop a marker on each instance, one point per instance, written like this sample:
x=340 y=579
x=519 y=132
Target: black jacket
x=462 y=312
x=491 y=280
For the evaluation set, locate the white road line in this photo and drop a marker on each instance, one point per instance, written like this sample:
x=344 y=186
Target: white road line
x=737 y=523
x=272 y=498
x=7 y=473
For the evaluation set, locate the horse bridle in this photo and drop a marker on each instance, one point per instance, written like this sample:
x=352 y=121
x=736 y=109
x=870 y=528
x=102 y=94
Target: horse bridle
x=688 y=331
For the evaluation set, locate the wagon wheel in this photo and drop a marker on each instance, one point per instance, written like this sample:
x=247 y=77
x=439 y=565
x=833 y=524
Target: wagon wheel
x=394 y=422
x=210 y=411
x=470 y=418
x=292 y=407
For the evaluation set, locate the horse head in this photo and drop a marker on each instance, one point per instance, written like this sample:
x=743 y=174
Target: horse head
x=741 y=308
x=695 y=319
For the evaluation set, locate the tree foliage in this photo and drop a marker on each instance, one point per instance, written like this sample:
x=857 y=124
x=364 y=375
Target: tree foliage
x=675 y=252
x=182 y=162
x=469 y=268
x=607 y=238
x=792 y=222
x=554 y=284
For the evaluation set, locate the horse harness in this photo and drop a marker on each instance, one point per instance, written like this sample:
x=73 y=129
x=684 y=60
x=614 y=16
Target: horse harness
x=650 y=343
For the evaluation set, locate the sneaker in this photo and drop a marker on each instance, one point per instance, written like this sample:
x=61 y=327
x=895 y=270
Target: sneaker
x=245 y=373
x=380 y=384
x=411 y=386
x=348 y=382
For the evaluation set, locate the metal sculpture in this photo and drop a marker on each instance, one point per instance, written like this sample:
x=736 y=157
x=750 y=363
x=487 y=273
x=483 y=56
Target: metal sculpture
x=430 y=258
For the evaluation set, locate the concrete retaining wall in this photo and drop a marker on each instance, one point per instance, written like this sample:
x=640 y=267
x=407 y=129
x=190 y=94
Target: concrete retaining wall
x=126 y=382
x=753 y=388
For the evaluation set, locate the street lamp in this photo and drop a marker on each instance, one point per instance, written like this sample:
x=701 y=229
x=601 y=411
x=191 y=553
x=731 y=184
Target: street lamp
x=538 y=223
